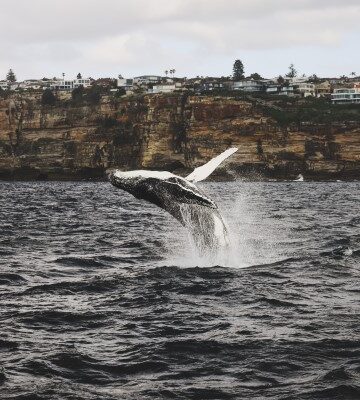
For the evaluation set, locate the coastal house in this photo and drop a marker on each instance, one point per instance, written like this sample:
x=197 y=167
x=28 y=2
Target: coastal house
x=248 y=85
x=126 y=84
x=323 y=89
x=30 y=84
x=305 y=89
x=68 y=85
x=147 y=79
x=210 y=86
x=165 y=88
x=81 y=82
x=287 y=90
x=34 y=84
x=346 y=95
x=273 y=89
x=62 y=85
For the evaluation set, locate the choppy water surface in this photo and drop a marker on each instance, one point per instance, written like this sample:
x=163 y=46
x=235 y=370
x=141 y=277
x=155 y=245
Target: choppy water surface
x=102 y=296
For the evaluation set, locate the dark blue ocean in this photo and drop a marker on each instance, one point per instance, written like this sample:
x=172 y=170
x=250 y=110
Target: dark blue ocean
x=103 y=297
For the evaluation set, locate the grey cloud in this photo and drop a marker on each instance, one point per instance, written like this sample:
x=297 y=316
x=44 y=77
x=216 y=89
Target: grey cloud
x=111 y=33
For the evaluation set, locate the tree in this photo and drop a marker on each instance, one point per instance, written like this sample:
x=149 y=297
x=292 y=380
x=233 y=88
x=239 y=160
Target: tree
x=353 y=74
x=94 y=95
x=292 y=71
x=314 y=78
x=10 y=76
x=78 y=94
x=256 y=76
x=238 y=70
x=280 y=80
x=120 y=92
x=166 y=72
x=79 y=76
x=48 y=98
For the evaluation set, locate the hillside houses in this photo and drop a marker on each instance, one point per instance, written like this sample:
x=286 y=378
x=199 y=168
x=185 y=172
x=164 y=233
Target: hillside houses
x=29 y=84
x=346 y=95
x=342 y=90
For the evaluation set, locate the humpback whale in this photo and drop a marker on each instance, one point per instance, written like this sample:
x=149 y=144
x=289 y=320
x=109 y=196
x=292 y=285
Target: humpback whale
x=182 y=199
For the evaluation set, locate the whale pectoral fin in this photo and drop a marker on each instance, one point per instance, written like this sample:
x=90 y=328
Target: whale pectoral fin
x=201 y=173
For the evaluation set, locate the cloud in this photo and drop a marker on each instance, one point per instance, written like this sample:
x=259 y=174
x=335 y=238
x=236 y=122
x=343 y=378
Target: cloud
x=110 y=36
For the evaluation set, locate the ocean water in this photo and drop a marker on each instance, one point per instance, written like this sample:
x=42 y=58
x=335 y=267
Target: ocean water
x=103 y=297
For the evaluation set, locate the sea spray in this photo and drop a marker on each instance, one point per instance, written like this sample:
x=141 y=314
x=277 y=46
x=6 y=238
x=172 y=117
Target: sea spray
x=244 y=235
x=206 y=227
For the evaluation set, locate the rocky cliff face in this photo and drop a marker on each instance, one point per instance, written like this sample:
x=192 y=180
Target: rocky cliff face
x=173 y=132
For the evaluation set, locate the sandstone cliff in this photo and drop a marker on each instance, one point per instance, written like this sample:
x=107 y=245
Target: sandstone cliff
x=174 y=132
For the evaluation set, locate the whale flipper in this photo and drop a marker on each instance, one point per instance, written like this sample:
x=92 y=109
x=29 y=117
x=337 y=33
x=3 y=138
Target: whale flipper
x=201 y=173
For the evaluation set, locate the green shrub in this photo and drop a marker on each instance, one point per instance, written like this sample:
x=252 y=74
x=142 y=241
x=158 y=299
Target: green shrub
x=48 y=98
x=93 y=95
x=77 y=95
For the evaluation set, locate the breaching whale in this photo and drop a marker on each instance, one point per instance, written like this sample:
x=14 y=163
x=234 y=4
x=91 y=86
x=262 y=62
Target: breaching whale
x=182 y=199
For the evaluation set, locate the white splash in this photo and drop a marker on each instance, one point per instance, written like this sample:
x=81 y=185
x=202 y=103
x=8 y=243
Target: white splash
x=244 y=236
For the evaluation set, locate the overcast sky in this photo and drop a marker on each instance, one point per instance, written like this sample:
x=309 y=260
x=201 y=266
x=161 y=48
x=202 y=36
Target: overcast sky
x=196 y=37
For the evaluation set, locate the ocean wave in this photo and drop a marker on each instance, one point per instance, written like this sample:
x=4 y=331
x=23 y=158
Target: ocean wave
x=64 y=319
x=344 y=391
x=8 y=344
x=11 y=279
x=86 y=369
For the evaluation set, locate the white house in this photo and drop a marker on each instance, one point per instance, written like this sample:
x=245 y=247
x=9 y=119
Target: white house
x=70 y=84
x=126 y=84
x=346 y=95
x=62 y=85
x=81 y=82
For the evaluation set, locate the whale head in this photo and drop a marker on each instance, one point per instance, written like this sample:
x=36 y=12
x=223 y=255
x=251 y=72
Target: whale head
x=122 y=180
